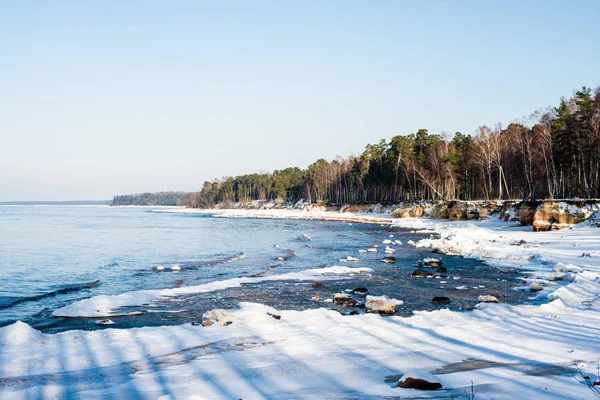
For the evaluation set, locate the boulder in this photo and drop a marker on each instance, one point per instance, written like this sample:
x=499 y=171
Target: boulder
x=541 y=226
x=340 y=298
x=419 y=380
x=421 y=274
x=526 y=212
x=216 y=316
x=382 y=304
x=458 y=211
x=361 y=290
x=432 y=262
x=559 y=214
x=317 y=285
x=442 y=270
x=440 y=211
x=536 y=287
x=440 y=300
x=488 y=299
x=354 y=303
x=409 y=212
x=389 y=260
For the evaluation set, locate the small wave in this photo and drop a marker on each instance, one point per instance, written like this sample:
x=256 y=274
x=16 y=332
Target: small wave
x=7 y=302
x=227 y=260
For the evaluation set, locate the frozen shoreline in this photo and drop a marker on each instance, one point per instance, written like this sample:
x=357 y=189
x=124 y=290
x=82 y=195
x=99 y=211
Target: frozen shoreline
x=525 y=350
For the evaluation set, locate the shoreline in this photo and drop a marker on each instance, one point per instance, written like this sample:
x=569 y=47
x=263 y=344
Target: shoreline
x=526 y=349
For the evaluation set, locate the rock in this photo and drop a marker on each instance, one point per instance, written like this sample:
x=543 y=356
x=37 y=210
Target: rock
x=274 y=315
x=382 y=304
x=421 y=274
x=340 y=298
x=557 y=277
x=354 y=312
x=354 y=303
x=469 y=308
x=597 y=224
x=389 y=260
x=560 y=214
x=361 y=290
x=488 y=299
x=472 y=214
x=536 y=287
x=432 y=262
x=410 y=212
x=419 y=264
x=440 y=300
x=541 y=226
x=441 y=270
x=419 y=380
x=317 y=285
x=458 y=211
x=526 y=212
x=216 y=316
x=440 y=211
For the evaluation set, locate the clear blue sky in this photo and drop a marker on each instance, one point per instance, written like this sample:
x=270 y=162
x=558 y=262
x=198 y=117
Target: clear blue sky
x=108 y=97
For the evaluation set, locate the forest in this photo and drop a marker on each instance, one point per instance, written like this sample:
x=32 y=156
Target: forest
x=553 y=153
x=149 y=199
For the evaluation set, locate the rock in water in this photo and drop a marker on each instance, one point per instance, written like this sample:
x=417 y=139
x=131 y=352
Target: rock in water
x=440 y=300
x=389 y=260
x=488 y=299
x=536 y=287
x=361 y=290
x=442 y=270
x=317 y=285
x=420 y=380
x=382 y=304
x=432 y=262
x=421 y=274
x=340 y=298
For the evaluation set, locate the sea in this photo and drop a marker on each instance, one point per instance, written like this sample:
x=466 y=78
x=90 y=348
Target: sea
x=54 y=255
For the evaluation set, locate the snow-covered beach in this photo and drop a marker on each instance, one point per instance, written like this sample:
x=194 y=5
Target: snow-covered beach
x=508 y=352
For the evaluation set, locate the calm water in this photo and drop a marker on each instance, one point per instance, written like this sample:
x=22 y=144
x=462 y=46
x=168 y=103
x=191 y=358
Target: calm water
x=51 y=256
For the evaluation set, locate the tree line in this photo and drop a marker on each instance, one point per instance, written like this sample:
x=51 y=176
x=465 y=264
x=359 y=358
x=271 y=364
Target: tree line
x=554 y=153
x=149 y=199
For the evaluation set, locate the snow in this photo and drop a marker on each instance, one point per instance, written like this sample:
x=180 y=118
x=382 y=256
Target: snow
x=507 y=351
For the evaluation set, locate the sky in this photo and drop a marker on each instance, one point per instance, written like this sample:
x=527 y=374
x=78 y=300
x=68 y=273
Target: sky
x=111 y=97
